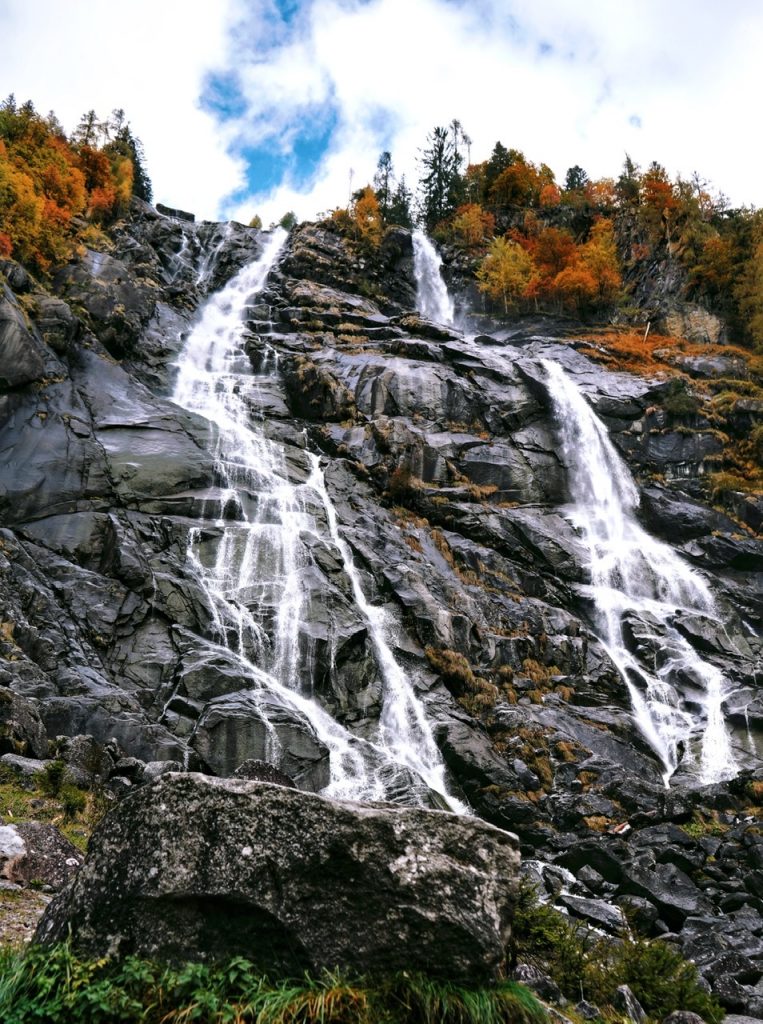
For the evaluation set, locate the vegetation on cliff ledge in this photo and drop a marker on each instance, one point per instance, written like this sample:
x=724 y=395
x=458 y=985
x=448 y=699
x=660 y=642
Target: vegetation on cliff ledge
x=55 y=191
x=580 y=246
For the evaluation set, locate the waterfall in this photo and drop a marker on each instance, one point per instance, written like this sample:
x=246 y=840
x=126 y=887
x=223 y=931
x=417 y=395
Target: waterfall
x=255 y=578
x=405 y=734
x=635 y=576
x=432 y=296
x=632 y=575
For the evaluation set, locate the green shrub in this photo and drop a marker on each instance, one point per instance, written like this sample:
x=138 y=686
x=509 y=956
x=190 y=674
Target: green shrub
x=678 y=400
x=660 y=978
x=52 y=778
x=543 y=937
x=72 y=800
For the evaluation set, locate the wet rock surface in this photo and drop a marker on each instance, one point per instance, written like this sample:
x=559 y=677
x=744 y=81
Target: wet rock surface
x=441 y=456
x=292 y=882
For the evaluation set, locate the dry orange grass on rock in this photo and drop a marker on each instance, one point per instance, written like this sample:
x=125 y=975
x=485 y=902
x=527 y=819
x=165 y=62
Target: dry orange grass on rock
x=634 y=352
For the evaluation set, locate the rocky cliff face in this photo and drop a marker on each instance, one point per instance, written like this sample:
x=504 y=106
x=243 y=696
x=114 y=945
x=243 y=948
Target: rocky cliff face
x=442 y=462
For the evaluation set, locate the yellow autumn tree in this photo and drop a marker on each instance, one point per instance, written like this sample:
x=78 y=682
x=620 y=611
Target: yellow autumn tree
x=472 y=225
x=506 y=272
x=599 y=257
x=21 y=211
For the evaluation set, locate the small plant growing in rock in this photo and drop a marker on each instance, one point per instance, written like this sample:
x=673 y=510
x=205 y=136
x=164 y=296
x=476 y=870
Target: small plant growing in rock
x=452 y=666
x=699 y=827
x=52 y=778
x=678 y=400
x=73 y=800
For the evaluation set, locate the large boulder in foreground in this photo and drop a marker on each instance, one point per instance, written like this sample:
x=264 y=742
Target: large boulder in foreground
x=197 y=867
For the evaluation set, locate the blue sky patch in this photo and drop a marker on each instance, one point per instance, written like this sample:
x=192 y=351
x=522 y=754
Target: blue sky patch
x=310 y=147
x=221 y=96
x=288 y=9
x=271 y=164
x=265 y=169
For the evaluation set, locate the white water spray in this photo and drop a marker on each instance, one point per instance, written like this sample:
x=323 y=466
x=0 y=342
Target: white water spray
x=634 y=574
x=431 y=294
x=261 y=563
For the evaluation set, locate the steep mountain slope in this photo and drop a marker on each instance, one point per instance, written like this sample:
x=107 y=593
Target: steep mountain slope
x=430 y=563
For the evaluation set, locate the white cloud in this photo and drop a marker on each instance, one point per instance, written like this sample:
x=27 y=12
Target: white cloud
x=659 y=81
x=564 y=81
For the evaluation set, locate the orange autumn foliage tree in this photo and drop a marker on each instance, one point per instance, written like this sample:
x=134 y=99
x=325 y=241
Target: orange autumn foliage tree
x=552 y=250
x=659 y=201
x=518 y=185
x=601 y=194
x=45 y=182
x=366 y=216
x=547 y=267
x=575 y=287
x=592 y=280
x=550 y=195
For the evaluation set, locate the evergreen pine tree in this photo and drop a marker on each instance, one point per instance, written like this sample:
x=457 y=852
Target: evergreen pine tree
x=88 y=131
x=400 y=206
x=384 y=181
x=441 y=183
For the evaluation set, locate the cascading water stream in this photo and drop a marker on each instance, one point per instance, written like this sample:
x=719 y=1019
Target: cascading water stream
x=405 y=734
x=260 y=561
x=632 y=573
x=431 y=293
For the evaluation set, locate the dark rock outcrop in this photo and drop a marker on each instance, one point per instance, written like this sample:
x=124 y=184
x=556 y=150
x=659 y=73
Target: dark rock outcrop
x=291 y=881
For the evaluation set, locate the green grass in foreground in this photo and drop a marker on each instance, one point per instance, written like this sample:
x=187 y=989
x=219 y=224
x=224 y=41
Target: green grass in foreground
x=54 y=986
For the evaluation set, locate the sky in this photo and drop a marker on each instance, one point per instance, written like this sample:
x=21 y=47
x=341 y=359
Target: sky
x=262 y=106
